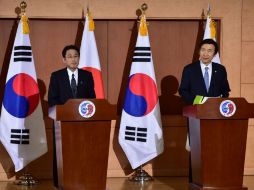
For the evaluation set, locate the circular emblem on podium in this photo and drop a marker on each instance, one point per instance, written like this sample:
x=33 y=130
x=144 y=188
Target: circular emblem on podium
x=86 y=109
x=227 y=108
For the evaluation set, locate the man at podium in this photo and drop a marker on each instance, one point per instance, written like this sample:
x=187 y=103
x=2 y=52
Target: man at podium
x=204 y=77
x=68 y=83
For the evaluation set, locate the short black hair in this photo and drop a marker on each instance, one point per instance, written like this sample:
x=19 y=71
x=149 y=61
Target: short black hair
x=66 y=48
x=210 y=41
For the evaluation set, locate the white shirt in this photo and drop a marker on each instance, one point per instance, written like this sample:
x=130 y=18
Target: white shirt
x=203 y=66
x=75 y=75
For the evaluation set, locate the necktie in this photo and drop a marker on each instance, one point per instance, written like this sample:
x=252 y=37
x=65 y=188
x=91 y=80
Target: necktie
x=206 y=78
x=73 y=86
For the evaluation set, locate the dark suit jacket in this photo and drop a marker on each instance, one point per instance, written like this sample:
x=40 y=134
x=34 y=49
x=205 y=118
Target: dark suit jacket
x=60 y=88
x=193 y=83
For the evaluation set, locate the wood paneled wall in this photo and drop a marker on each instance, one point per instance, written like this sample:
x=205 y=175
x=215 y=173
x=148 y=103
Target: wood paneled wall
x=236 y=41
x=247 y=77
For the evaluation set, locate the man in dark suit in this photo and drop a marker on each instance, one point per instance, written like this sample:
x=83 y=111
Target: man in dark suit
x=204 y=77
x=68 y=83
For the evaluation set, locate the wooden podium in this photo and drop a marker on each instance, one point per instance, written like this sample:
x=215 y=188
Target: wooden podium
x=218 y=144
x=83 y=145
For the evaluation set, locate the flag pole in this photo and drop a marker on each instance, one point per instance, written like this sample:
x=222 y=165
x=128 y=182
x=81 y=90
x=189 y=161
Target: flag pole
x=140 y=175
x=26 y=179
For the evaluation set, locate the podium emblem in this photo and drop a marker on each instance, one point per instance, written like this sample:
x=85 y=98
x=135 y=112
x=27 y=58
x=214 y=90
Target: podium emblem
x=86 y=109
x=227 y=108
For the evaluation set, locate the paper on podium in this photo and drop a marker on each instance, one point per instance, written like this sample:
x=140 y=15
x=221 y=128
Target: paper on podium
x=200 y=99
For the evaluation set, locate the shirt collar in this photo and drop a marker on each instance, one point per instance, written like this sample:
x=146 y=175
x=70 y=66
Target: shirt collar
x=72 y=72
x=75 y=74
x=203 y=65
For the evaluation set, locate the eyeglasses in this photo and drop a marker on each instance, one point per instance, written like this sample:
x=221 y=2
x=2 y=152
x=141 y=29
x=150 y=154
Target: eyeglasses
x=70 y=57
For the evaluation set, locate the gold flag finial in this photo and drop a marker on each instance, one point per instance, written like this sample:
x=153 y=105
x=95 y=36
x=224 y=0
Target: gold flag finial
x=24 y=18
x=144 y=7
x=90 y=20
x=143 y=24
x=23 y=6
x=203 y=14
x=212 y=23
x=87 y=8
x=209 y=10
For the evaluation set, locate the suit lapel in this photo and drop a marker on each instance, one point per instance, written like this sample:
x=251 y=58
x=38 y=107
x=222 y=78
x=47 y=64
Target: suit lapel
x=80 y=84
x=214 y=72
